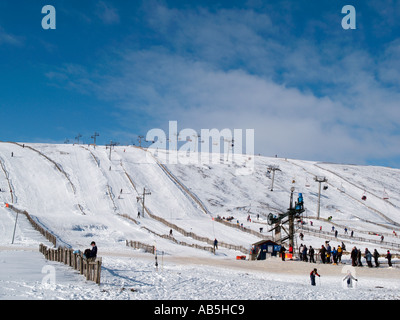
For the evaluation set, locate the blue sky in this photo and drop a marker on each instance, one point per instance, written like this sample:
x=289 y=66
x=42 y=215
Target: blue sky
x=310 y=89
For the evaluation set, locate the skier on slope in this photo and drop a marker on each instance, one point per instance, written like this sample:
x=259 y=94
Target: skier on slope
x=215 y=244
x=349 y=279
x=313 y=273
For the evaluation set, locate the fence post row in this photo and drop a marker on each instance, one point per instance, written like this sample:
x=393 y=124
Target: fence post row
x=90 y=268
x=48 y=235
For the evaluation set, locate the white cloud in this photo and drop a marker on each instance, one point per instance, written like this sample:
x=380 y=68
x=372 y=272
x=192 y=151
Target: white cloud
x=107 y=13
x=8 y=38
x=237 y=69
x=286 y=120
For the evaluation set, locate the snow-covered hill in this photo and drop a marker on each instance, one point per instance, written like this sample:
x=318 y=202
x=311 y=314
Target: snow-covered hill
x=79 y=194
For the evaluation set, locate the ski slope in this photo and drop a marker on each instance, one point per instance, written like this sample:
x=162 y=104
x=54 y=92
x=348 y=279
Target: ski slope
x=75 y=192
x=131 y=275
x=80 y=195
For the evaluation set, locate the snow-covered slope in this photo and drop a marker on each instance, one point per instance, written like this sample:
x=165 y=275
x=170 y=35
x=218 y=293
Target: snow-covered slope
x=81 y=195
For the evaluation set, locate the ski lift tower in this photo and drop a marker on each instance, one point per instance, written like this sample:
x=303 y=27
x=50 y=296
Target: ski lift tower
x=292 y=213
x=142 y=198
x=320 y=180
x=140 y=138
x=94 y=138
x=112 y=144
x=78 y=137
x=273 y=168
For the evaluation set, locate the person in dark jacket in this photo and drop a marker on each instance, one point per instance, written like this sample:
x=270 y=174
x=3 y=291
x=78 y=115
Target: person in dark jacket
x=353 y=256
x=215 y=244
x=368 y=257
x=313 y=273
x=282 y=252
x=389 y=258
x=376 y=256
x=328 y=253
x=359 y=258
x=322 y=253
x=305 y=253
x=93 y=251
x=334 y=255
x=311 y=254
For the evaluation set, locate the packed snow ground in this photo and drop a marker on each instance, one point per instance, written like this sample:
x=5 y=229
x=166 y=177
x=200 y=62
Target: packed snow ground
x=83 y=202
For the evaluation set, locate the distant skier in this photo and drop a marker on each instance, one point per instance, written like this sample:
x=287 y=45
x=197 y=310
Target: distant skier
x=215 y=244
x=313 y=273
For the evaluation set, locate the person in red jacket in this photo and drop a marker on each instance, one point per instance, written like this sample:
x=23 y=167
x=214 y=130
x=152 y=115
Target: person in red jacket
x=313 y=273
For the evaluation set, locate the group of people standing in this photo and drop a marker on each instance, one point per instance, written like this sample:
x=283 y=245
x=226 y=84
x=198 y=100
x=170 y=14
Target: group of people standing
x=326 y=253
x=333 y=255
x=356 y=256
x=330 y=254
